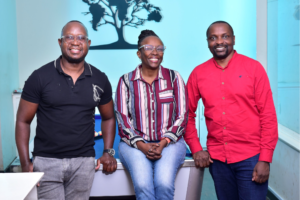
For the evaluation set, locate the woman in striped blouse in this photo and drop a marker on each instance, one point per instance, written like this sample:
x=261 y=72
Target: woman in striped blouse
x=151 y=105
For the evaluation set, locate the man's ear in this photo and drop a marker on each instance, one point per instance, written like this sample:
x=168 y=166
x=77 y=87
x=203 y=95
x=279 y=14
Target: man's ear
x=234 y=40
x=60 y=42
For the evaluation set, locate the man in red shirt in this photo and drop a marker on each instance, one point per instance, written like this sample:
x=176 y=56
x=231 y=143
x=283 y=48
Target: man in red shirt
x=240 y=118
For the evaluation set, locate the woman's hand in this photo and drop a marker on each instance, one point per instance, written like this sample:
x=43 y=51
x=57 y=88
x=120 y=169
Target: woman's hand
x=150 y=150
x=145 y=147
x=160 y=146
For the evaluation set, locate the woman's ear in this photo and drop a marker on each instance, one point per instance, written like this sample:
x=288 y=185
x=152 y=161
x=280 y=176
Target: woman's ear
x=138 y=53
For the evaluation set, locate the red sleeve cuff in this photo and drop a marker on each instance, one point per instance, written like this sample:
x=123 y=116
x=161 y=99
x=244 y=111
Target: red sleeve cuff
x=195 y=147
x=266 y=155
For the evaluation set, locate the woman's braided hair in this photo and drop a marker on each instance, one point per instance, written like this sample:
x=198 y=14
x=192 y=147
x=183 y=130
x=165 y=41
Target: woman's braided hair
x=144 y=34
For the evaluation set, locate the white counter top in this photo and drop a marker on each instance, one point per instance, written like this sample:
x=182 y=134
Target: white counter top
x=19 y=186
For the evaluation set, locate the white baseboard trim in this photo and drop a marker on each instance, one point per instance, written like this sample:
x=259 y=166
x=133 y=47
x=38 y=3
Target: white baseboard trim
x=275 y=193
x=290 y=137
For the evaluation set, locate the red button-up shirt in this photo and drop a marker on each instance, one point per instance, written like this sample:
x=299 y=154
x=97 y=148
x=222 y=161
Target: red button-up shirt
x=151 y=112
x=239 y=110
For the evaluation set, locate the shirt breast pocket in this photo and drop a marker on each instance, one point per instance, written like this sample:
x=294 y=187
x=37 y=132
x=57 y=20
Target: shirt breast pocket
x=246 y=86
x=166 y=96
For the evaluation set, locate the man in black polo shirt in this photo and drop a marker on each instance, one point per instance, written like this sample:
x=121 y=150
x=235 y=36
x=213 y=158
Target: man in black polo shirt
x=64 y=94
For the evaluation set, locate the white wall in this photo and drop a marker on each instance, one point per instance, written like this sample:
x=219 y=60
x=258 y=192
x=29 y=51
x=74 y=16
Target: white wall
x=262 y=32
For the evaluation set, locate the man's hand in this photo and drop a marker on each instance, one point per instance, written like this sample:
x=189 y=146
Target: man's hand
x=202 y=159
x=28 y=167
x=109 y=163
x=261 y=172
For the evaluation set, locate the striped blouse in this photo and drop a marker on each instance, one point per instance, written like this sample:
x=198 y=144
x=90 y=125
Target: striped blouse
x=151 y=112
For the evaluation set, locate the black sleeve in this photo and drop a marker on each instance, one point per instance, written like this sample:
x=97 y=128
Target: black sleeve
x=107 y=94
x=32 y=89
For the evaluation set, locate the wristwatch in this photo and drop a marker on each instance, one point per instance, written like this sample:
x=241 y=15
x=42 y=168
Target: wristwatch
x=110 y=152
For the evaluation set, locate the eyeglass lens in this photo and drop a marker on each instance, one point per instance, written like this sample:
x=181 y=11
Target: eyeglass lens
x=70 y=38
x=149 y=47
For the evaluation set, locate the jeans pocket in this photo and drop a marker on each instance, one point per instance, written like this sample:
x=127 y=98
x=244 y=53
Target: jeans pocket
x=36 y=163
x=33 y=163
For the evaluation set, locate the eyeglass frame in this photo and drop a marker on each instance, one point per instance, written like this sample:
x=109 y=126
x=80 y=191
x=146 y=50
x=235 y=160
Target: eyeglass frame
x=154 y=48
x=74 y=36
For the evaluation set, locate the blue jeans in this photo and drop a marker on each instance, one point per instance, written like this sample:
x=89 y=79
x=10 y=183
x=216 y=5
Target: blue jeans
x=234 y=181
x=153 y=179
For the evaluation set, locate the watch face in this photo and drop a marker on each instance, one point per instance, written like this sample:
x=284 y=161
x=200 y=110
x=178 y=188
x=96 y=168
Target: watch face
x=109 y=151
x=112 y=152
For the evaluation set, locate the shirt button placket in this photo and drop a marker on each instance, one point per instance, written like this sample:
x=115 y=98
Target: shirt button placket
x=71 y=83
x=152 y=110
x=223 y=106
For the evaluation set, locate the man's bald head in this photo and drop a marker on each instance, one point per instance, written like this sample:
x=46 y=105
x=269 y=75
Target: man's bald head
x=74 y=21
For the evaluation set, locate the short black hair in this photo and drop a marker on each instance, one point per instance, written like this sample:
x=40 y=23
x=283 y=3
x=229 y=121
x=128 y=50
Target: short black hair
x=144 y=34
x=219 y=22
x=62 y=30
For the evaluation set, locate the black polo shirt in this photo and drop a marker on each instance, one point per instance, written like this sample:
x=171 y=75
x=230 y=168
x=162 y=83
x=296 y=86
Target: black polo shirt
x=65 y=115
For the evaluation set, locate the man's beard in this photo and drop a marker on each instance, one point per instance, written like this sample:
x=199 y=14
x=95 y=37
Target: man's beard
x=221 y=56
x=73 y=60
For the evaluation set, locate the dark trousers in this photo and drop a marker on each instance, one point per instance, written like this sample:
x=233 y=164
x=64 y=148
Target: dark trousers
x=234 y=181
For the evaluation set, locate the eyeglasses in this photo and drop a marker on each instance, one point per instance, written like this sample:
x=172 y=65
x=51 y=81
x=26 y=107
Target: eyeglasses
x=71 y=38
x=150 y=48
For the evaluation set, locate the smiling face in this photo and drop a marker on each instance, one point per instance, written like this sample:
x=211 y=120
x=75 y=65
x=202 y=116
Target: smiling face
x=152 y=59
x=74 y=51
x=220 y=40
